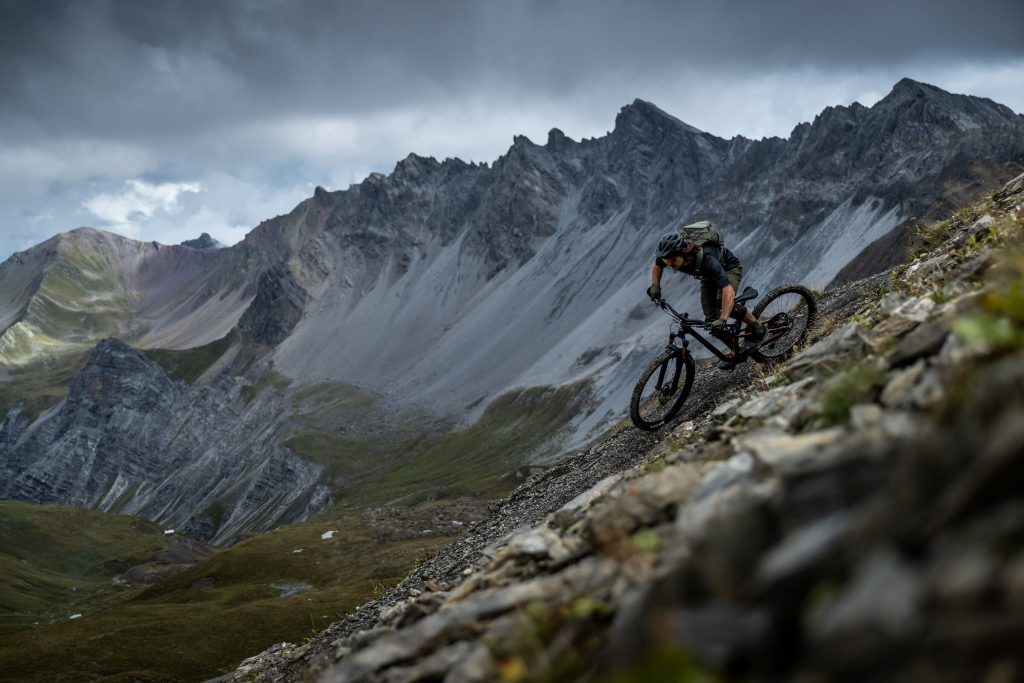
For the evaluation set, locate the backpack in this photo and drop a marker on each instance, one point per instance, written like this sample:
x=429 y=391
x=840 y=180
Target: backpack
x=702 y=233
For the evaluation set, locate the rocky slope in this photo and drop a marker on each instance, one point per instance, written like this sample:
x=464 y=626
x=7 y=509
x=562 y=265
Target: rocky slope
x=203 y=460
x=852 y=515
x=445 y=286
x=539 y=260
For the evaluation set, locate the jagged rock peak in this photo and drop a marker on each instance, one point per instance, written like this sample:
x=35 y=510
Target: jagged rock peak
x=644 y=117
x=321 y=196
x=415 y=166
x=963 y=111
x=558 y=140
x=522 y=141
x=115 y=370
x=203 y=243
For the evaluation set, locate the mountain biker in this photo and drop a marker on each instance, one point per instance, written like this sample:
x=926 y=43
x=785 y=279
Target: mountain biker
x=719 y=272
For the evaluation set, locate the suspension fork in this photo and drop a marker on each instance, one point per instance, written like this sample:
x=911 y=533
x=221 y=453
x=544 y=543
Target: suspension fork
x=678 y=351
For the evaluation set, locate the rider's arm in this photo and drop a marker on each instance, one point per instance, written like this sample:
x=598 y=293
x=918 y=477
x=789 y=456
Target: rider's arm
x=656 y=271
x=728 y=299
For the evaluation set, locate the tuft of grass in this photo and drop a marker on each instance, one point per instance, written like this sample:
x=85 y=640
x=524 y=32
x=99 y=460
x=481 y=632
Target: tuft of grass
x=999 y=326
x=859 y=383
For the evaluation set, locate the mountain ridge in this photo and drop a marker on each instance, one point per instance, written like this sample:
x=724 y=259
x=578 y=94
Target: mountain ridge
x=443 y=286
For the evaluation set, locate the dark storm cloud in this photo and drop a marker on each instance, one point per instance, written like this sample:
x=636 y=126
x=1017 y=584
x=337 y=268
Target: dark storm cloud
x=160 y=119
x=125 y=67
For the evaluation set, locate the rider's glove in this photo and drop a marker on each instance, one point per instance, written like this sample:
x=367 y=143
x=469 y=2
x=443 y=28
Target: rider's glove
x=654 y=291
x=716 y=326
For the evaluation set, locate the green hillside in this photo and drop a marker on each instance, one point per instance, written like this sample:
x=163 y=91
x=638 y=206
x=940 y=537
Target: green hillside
x=283 y=585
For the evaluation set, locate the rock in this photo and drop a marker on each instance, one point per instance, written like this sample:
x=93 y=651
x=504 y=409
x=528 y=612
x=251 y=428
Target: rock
x=727 y=549
x=728 y=487
x=684 y=428
x=782 y=451
x=906 y=317
x=924 y=341
x=799 y=554
x=462 y=619
x=538 y=543
x=725 y=407
x=436 y=665
x=891 y=302
x=476 y=666
x=775 y=400
x=977 y=230
x=572 y=511
x=897 y=390
x=834 y=351
x=883 y=600
x=865 y=416
x=962 y=577
x=1013 y=580
x=641 y=502
x=719 y=633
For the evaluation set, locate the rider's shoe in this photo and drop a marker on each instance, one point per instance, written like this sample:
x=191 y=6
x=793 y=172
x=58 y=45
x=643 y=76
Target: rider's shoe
x=753 y=342
x=726 y=365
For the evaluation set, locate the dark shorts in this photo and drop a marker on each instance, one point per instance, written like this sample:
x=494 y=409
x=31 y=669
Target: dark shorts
x=711 y=296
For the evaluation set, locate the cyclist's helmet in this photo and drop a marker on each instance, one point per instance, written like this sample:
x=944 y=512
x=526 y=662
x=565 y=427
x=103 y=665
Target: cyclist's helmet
x=670 y=243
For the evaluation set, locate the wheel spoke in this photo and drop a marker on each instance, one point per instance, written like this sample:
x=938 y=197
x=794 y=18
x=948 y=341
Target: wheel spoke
x=661 y=390
x=788 y=312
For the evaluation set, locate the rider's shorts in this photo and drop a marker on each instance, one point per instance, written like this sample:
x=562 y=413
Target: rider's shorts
x=711 y=296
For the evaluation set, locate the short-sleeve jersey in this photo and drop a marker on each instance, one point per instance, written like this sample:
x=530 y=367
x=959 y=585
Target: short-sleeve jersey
x=713 y=266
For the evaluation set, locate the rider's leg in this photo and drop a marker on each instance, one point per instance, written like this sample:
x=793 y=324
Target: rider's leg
x=710 y=300
x=754 y=326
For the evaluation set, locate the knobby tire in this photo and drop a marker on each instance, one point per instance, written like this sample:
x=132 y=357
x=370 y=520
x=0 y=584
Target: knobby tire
x=802 y=313
x=673 y=401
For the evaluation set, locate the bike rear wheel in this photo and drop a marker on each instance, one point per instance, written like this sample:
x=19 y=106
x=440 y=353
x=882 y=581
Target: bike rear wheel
x=661 y=390
x=788 y=313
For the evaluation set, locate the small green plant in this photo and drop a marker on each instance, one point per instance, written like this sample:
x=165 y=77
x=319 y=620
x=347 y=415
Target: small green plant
x=312 y=631
x=966 y=214
x=932 y=235
x=857 y=384
x=647 y=541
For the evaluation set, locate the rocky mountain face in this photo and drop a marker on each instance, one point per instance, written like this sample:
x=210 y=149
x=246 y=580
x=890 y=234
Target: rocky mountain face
x=129 y=439
x=854 y=515
x=203 y=243
x=446 y=285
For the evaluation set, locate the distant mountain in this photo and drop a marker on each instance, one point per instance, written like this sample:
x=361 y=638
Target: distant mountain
x=203 y=243
x=129 y=439
x=444 y=285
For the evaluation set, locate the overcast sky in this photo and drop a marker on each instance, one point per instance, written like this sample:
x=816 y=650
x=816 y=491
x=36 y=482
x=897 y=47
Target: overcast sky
x=160 y=120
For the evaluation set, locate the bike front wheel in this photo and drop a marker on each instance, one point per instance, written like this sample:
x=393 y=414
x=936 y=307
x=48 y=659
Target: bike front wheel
x=661 y=390
x=788 y=313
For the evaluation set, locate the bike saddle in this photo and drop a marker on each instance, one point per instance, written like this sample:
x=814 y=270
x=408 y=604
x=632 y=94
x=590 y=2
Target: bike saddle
x=747 y=294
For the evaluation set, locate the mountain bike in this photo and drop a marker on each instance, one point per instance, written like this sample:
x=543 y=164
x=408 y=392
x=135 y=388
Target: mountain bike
x=787 y=312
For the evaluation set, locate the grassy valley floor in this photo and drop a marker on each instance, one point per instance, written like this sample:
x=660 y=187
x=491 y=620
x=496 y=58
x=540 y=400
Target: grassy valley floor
x=283 y=585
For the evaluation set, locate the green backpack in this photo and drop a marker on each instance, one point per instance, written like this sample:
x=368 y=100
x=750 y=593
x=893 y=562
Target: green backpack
x=702 y=233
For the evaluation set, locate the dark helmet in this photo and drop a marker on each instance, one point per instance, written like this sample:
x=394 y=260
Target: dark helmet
x=671 y=243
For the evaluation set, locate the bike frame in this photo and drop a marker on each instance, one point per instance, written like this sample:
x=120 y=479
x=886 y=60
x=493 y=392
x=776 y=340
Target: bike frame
x=688 y=326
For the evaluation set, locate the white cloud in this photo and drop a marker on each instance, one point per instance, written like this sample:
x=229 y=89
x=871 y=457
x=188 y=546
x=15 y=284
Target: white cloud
x=128 y=210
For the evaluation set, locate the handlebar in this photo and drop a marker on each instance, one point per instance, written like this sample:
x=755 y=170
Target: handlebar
x=681 y=318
